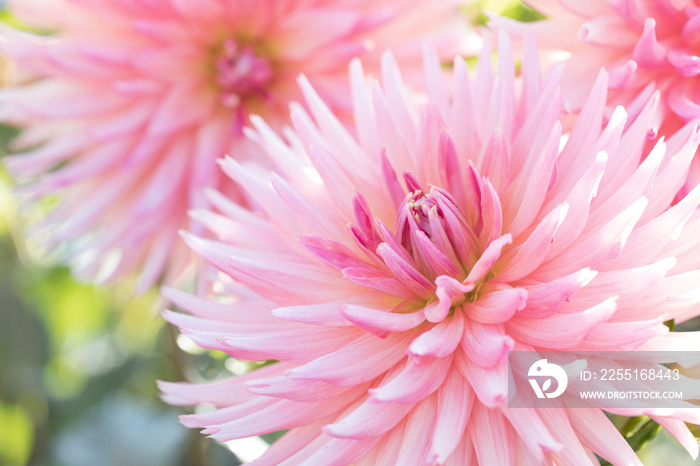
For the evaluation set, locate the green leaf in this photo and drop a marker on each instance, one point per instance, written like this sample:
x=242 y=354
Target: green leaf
x=17 y=435
x=70 y=309
x=523 y=13
x=645 y=433
x=8 y=18
x=671 y=324
x=272 y=437
x=632 y=425
x=516 y=10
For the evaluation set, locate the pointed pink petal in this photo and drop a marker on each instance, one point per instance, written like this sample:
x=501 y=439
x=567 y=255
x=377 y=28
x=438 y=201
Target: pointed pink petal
x=381 y=322
x=560 y=331
x=523 y=259
x=415 y=444
x=332 y=253
x=420 y=378
x=295 y=390
x=316 y=314
x=557 y=422
x=488 y=258
x=598 y=433
x=532 y=431
x=486 y=344
x=441 y=340
x=379 y=280
x=294 y=346
x=486 y=425
x=455 y=400
x=225 y=392
x=405 y=272
x=602 y=245
x=283 y=414
x=681 y=432
x=370 y=419
x=497 y=304
x=546 y=299
x=490 y=384
x=648 y=52
x=358 y=361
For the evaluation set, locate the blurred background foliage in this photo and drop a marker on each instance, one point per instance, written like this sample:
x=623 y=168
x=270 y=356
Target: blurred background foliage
x=78 y=363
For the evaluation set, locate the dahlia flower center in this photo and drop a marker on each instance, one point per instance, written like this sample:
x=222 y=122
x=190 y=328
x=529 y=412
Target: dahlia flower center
x=433 y=258
x=241 y=73
x=419 y=206
x=438 y=251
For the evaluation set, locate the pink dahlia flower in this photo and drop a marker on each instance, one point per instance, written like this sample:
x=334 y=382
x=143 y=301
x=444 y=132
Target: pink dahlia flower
x=131 y=102
x=390 y=273
x=644 y=45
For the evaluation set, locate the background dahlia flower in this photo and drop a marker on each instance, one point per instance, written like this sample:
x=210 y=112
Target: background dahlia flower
x=644 y=45
x=389 y=275
x=128 y=104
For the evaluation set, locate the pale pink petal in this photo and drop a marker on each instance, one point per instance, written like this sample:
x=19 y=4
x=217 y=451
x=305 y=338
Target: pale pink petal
x=380 y=322
x=371 y=419
x=559 y=330
x=377 y=354
x=546 y=299
x=490 y=384
x=680 y=431
x=226 y=392
x=295 y=390
x=441 y=340
x=488 y=258
x=497 y=305
x=486 y=344
x=455 y=401
x=524 y=259
x=416 y=444
x=420 y=378
x=598 y=433
x=533 y=432
x=486 y=425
